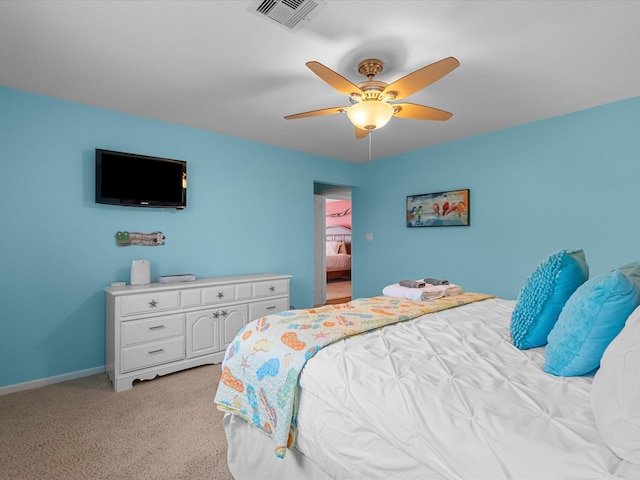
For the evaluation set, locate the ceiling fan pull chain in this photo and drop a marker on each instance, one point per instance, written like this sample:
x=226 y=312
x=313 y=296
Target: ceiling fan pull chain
x=370 y=135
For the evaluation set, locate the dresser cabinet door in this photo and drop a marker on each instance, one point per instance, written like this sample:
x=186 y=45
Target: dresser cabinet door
x=202 y=333
x=232 y=322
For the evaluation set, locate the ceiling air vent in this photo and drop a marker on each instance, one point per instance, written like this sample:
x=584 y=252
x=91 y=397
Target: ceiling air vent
x=290 y=14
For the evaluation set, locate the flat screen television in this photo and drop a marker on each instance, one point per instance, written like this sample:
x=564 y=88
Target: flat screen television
x=140 y=181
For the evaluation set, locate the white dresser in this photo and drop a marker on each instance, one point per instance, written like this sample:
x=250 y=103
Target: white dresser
x=162 y=328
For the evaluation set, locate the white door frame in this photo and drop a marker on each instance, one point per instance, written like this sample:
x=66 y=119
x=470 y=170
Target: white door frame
x=319 y=251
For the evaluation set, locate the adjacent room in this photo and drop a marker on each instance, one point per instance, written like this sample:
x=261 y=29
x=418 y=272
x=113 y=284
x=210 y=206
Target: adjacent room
x=338 y=251
x=319 y=239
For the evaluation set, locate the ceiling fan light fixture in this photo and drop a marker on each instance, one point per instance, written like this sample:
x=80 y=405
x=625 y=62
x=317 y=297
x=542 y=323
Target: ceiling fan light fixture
x=370 y=115
x=370 y=108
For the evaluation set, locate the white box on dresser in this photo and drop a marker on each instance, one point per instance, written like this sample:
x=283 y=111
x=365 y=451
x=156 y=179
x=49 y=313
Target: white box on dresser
x=161 y=328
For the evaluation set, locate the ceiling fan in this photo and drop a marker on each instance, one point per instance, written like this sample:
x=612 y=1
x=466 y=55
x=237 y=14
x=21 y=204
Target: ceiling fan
x=371 y=107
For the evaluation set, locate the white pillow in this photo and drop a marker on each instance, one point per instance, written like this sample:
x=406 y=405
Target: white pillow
x=615 y=393
x=333 y=248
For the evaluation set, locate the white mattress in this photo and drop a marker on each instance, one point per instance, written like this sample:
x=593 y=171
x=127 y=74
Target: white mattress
x=445 y=395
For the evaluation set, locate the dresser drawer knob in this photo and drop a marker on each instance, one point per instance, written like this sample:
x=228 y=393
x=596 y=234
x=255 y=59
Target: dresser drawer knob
x=272 y=288
x=216 y=314
x=153 y=303
x=224 y=313
x=272 y=307
x=155 y=352
x=220 y=295
x=156 y=327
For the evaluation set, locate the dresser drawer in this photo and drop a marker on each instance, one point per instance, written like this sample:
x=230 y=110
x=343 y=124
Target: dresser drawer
x=266 y=289
x=150 y=302
x=149 y=354
x=151 y=329
x=213 y=295
x=267 y=307
x=191 y=297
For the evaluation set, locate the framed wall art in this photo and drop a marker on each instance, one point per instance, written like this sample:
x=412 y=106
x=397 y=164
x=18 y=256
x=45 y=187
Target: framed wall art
x=441 y=209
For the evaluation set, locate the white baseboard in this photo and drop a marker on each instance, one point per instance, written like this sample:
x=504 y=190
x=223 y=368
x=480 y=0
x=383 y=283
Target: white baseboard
x=50 y=380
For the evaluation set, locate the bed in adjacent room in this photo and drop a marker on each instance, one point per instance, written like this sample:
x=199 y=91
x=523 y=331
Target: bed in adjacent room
x=338 y=252
x=439 y=389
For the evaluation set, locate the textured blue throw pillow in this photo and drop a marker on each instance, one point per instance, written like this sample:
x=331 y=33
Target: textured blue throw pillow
x=543 y=296
x=590 y=320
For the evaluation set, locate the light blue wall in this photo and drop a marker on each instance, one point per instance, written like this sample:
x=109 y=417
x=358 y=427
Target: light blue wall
x=250 y=210
x=568 y=182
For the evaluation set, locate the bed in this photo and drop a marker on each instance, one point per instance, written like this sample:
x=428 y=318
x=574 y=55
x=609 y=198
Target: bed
x=338 y=252
x=448 y=395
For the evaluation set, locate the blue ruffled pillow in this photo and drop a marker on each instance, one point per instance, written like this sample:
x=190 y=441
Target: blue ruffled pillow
x=590 y=320
x=543 y=296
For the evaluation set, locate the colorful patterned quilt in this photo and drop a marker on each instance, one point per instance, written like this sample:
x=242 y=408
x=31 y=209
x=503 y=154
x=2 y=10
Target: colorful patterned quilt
x=261 y=367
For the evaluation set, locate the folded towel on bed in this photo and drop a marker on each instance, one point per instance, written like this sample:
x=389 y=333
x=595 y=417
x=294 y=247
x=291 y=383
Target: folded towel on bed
x=435 y=281
x=428 y=292
x=411 y=283
x=437 y=291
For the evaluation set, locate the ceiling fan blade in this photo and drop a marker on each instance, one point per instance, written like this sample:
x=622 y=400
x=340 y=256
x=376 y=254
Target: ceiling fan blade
x=334 y=79
x=361 y=133
x=411 y=83
x=420 y=112
x=316 y=113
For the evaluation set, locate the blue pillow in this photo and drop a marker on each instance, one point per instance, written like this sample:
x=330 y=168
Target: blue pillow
x=543 y=296
x=590 y=320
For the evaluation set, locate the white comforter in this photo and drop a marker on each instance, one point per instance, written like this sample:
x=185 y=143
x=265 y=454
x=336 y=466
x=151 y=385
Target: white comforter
x=448 y=396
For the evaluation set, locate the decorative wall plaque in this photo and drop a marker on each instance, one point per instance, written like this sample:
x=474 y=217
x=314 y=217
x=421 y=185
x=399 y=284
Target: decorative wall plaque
x=124 y=239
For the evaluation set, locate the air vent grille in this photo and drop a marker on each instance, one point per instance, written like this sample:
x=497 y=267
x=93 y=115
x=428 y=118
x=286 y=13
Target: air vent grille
x=290 y=14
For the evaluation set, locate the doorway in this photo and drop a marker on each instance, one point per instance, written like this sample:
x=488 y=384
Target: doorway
x=332 y=245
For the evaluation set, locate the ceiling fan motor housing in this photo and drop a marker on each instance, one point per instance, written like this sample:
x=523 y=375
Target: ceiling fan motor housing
x=370 y=67
x=373 y=89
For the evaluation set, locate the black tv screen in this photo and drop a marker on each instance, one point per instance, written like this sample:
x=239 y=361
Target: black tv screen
x=140 y=181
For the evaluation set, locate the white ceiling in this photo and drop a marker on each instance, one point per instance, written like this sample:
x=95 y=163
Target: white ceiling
x=215 y=65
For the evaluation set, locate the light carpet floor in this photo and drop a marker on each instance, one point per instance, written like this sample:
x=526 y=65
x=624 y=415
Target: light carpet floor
x=166 y=428
x=338 y=291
